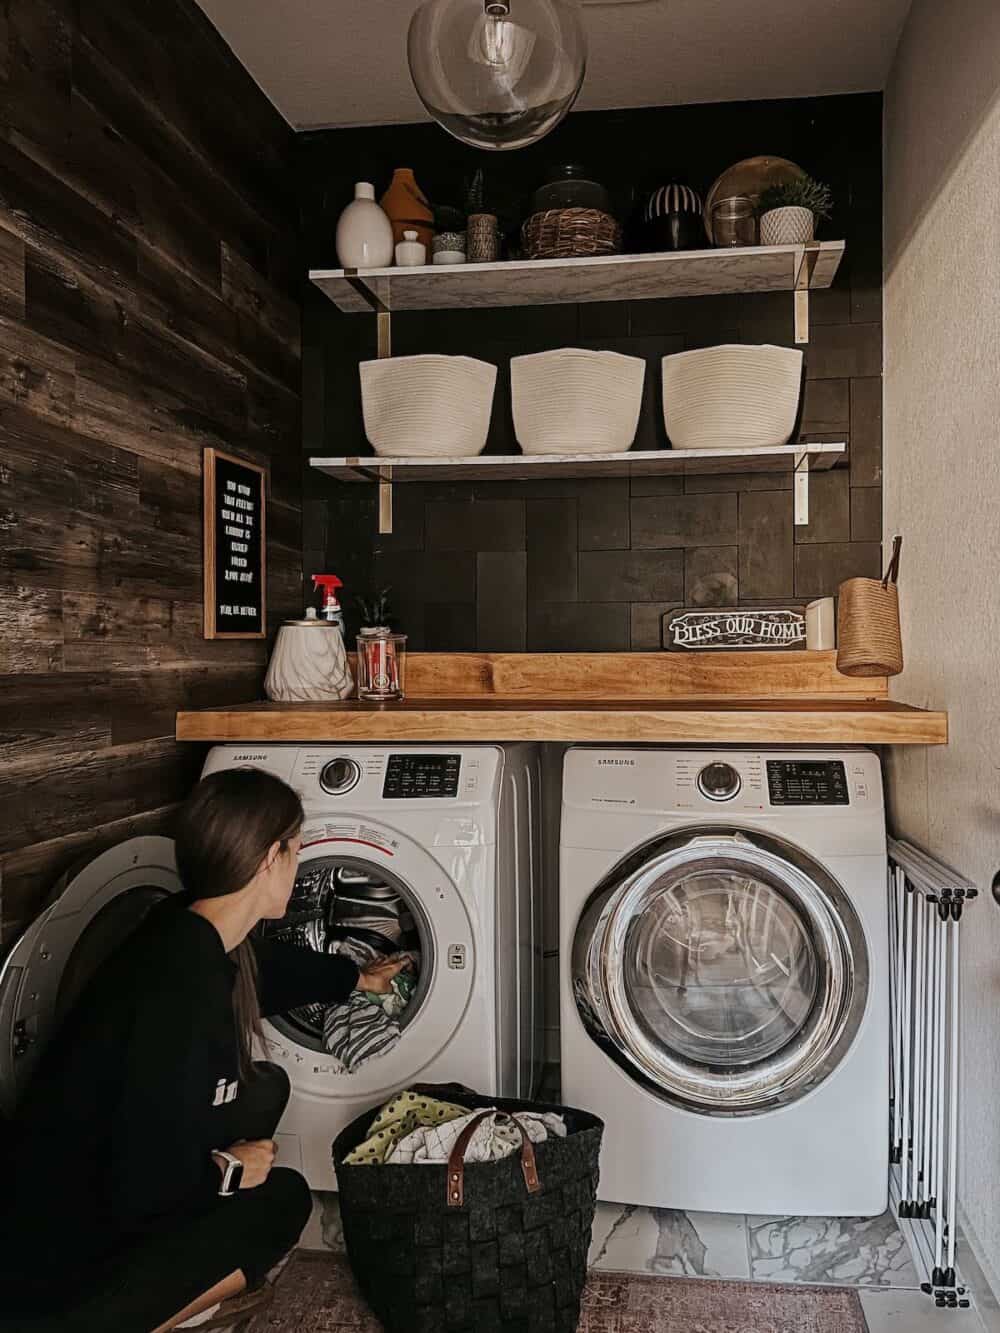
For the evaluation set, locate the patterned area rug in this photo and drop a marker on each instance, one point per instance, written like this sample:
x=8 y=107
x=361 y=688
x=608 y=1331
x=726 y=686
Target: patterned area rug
x=317 y=1292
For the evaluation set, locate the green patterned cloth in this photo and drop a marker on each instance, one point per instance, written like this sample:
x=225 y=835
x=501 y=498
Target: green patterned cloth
x=405 y=1113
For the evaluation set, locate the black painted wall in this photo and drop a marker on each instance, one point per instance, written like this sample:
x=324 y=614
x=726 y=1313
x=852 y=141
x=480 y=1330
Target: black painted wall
x=593 y=565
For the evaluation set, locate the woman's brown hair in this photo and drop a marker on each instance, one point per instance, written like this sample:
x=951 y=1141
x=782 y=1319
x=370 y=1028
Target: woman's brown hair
x=224 y=830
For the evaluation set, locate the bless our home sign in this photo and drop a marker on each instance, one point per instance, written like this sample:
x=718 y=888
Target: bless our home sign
x=734 y=628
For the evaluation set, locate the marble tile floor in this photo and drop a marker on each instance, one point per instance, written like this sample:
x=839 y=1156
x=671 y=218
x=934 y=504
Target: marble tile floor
x=867 y=1253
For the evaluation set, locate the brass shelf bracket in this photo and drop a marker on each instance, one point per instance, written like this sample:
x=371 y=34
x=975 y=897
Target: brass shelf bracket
x=803 y=282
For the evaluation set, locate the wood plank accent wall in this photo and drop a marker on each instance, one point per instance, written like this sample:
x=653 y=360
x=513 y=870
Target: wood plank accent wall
x=148 y=307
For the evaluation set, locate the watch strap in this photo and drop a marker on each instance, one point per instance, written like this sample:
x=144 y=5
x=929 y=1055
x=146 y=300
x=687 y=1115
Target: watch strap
x=232 y=1175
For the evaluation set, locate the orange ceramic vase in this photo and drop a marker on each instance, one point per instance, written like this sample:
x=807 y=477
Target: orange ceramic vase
x=406 y=207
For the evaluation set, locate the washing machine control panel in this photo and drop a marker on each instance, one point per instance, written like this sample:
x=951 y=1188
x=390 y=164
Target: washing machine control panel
x=421 y=775
x=807 y=782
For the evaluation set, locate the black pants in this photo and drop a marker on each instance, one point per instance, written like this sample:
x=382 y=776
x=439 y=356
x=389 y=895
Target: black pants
x=177 y=1263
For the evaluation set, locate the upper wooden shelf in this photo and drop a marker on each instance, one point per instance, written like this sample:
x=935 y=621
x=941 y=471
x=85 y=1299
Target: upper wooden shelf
x=632 y=463
x=766 y=698
x=758 y=268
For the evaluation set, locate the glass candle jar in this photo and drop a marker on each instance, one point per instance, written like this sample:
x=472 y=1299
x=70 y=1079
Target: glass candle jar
x=733 y=221
x=381 y=664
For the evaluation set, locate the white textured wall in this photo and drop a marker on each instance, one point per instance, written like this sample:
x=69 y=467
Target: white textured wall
x=942 y=491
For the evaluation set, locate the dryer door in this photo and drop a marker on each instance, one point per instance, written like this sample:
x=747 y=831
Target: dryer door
x=725 y=971
x=42 y=976
x=359 y=882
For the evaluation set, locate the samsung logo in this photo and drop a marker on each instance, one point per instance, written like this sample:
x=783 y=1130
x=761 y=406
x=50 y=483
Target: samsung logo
x=251 y=757
x=617 y=763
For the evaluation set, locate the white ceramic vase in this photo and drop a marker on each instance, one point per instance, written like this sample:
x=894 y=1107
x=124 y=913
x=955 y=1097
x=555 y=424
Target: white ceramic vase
x=787 y=226
x=309 y=664
x=364 y=233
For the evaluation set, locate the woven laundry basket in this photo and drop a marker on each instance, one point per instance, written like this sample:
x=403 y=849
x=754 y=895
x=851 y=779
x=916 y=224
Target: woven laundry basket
x=507 y=1255
x=869 y=642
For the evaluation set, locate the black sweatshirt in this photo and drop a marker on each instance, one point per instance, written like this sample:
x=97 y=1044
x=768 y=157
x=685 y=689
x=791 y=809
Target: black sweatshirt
x=116 y=1129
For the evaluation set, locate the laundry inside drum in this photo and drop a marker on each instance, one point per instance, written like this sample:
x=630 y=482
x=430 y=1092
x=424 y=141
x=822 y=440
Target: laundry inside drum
x=348 y=906
x=721 y=969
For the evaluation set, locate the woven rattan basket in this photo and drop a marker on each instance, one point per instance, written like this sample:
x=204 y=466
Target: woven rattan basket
x=869 y=642
x=571 y=233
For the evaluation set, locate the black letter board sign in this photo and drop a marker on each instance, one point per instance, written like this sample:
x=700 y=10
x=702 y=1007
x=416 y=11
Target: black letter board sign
x=235 y=564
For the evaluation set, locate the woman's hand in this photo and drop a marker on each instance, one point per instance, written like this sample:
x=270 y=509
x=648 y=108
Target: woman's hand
x=378 y=977
x=257 y=1157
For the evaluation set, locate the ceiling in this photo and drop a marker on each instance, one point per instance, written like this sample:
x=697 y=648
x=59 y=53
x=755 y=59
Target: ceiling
x=343 y=62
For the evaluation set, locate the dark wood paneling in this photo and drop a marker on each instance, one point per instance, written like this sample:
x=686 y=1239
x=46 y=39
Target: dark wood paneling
x=148 y=308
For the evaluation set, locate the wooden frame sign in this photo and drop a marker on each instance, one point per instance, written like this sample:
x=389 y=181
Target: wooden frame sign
x=235 y=554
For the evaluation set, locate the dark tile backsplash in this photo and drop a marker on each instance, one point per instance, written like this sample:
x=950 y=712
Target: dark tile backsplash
x=579 y=565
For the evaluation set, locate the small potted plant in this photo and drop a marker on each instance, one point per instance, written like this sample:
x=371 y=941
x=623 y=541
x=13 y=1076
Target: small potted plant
x=788 y=213
x=449 y=243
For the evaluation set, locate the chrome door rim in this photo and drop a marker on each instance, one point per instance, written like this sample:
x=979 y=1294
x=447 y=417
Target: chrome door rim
x=829 y=1030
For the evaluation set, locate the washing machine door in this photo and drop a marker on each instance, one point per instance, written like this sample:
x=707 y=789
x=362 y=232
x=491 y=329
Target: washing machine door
x=92 y=912
x=361 y=881
x=724 y=971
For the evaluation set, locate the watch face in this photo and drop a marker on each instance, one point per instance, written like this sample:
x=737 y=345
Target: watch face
x=234 y=1177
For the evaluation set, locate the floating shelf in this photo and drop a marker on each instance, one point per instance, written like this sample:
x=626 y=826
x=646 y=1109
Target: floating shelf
x=759 y=268
x=799 y=459
x=632 y=463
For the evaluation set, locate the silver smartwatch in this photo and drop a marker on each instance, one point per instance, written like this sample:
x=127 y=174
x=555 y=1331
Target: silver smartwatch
x=232 y=1172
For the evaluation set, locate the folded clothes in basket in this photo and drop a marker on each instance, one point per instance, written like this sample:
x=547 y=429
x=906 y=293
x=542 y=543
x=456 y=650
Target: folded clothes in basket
x=414 y=1127
x=495 y=1138
x=367 y=1025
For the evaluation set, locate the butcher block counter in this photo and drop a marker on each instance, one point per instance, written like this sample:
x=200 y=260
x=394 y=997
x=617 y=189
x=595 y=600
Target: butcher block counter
x=756 y=698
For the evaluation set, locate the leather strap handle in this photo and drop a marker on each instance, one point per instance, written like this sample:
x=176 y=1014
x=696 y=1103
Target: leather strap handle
x=456 y=1162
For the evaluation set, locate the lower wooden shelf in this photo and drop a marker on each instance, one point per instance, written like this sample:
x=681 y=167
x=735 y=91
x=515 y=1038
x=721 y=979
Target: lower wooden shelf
x=784 y=721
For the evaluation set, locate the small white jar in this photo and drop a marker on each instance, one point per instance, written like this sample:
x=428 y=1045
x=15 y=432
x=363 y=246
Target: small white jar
x=410 y=253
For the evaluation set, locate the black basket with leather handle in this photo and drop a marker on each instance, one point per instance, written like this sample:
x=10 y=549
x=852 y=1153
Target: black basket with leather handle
x=495 y=1247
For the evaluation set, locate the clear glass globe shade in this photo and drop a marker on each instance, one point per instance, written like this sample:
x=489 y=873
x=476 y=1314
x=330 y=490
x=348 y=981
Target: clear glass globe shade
x=497 y=74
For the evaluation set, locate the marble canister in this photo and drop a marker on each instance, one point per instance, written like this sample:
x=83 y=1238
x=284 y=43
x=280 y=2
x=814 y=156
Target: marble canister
x=821 y=634
x=309 y=664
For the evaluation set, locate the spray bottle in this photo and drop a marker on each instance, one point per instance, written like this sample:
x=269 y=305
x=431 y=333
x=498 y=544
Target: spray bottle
x=331 y=609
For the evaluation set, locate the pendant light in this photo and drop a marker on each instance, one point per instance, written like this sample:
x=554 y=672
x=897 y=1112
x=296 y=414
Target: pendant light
x=497 y=74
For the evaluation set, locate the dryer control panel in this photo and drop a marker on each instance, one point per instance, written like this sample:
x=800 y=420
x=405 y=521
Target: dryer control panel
x=807 y=782
x=418 y=775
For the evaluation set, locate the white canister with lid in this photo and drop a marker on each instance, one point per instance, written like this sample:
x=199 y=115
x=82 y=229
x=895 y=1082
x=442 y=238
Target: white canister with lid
x=410 y=253
x=309 y=662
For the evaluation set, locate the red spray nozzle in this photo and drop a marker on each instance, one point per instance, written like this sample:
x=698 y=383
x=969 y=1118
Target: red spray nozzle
x=329 y=583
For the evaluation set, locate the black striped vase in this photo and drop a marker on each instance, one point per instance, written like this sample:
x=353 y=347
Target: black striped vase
x=672 y=219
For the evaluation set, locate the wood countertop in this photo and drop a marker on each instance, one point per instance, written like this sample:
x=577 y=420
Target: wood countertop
x=755 y=722
x=780 y=698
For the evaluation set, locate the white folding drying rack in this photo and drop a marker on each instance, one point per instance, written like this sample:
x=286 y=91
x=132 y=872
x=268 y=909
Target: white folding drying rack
x=926 y=902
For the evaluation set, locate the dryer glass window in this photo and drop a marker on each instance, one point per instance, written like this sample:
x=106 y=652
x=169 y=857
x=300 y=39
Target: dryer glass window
x=721 y=968
x=347 y=905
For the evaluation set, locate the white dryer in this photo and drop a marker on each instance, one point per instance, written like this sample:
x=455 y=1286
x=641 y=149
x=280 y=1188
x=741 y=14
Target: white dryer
x=451 y=831
x=724 y=994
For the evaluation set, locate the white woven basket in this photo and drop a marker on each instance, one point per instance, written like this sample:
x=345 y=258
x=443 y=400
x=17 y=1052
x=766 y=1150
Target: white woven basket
x=575 y=401
x=731 y=396
x=427 y=406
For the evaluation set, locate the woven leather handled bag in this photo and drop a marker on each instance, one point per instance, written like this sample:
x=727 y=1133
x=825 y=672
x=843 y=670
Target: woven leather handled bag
x=495 y=1247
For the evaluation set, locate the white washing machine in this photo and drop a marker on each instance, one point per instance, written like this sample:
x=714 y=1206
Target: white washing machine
x=724 y=995
x=451 y=831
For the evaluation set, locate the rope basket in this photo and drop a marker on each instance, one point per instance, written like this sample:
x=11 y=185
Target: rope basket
x=869 y=642
x=571 y=233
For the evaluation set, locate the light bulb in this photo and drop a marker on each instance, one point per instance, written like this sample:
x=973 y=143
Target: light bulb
x=497 y=74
